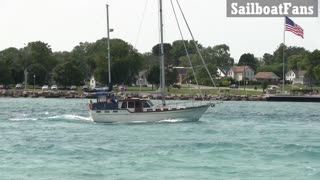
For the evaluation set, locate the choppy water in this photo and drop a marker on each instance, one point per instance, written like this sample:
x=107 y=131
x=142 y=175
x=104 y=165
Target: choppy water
x=54 y=139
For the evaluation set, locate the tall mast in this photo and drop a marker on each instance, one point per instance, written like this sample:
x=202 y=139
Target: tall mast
x=162 y=56
x=108 y=42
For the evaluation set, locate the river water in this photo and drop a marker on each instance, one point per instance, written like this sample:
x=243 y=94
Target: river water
x=54 y=139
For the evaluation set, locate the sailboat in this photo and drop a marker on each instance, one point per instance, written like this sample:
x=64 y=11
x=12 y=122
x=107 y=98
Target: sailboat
x=107 y=109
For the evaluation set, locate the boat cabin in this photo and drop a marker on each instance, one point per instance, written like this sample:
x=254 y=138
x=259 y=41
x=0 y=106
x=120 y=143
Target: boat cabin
x=136 y=105
x=107 y=101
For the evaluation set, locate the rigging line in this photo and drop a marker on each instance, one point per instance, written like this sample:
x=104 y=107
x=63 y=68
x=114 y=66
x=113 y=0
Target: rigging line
x=197 y=48
x=185 y=48
x=141 y=23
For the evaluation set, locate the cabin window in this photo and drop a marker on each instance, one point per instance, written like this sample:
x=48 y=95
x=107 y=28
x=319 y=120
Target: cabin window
x=150 y=103
x=145 y=104
x=102 y=98
x=138 y=104
x=124 y=105
x=130 y=104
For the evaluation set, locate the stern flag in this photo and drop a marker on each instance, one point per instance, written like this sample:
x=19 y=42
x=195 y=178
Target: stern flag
x=293 y=27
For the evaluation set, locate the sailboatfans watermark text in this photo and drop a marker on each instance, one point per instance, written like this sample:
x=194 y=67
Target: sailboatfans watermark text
x=272 y=8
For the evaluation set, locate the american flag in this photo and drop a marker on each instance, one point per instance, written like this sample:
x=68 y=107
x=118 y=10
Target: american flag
x=293 y=27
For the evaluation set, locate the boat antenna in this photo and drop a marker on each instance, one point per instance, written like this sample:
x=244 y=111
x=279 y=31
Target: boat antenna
x=108 y=42
x=162 y=56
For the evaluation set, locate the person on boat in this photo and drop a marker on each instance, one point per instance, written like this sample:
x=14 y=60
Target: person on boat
x=113 y=98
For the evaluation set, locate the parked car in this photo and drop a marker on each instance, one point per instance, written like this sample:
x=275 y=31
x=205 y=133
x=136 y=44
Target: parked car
x=73 y=88
x=97 y=89
x=19 y=86
x=234 y=86
x=54 y=87
x=85 y=88
x=176 y=86
x=273 y=87
x=45 y=87
x=62 y=87
x=2 y=86
x=122 y=88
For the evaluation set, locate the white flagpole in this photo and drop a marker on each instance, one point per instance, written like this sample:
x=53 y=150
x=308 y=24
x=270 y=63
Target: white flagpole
x=283 y=51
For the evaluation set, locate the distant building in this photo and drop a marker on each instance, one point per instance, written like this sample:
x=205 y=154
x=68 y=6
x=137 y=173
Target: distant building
x=142 y=79
x=182 y=72
x=297 y=77
x=92 y=83
x=221 y=73
x=239 y=73
x=270 y=76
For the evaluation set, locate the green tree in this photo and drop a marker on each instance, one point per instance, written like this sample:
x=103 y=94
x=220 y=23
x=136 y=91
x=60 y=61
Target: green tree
x=218 y=55
x=267 y=59
x=296 y=62
x=289 y=51
x=168 y=59
x=68 y=74
x=248 y=60
x=276 y=68
x=171 y=76
x=178 y=50
x=5 y=76
x=126 y=62
x=202 y=74
x=153 y=76
x=313 y=68
x=40 y=72
x=13 y=60
x=40 y=52
x=264 y=85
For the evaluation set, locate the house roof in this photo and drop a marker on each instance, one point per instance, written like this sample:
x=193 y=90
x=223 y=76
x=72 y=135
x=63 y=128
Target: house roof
x=142 y=73
x=266 y=75
x=301 y=73
x=298 y=73
x=223 y=70
x=182 y=70
x=240 y=69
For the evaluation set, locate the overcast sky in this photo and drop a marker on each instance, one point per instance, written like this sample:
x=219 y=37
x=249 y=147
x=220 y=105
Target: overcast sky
x=63 y=24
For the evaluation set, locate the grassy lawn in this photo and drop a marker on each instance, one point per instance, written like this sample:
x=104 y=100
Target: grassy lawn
x=138 y=88
x=195 y=91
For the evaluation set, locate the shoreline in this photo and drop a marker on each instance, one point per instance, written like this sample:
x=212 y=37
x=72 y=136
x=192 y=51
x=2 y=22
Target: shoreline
x=85 y=95
x=156 y=96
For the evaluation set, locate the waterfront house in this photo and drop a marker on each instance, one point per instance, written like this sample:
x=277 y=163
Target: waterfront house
x=182 y=73
x=297 y=77
x=268 y=76
x=142 y=78
x=239 y=73
x=221 y=73
x=92 y=83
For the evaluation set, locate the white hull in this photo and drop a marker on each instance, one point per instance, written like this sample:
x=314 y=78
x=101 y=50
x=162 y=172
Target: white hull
x=124 y=116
